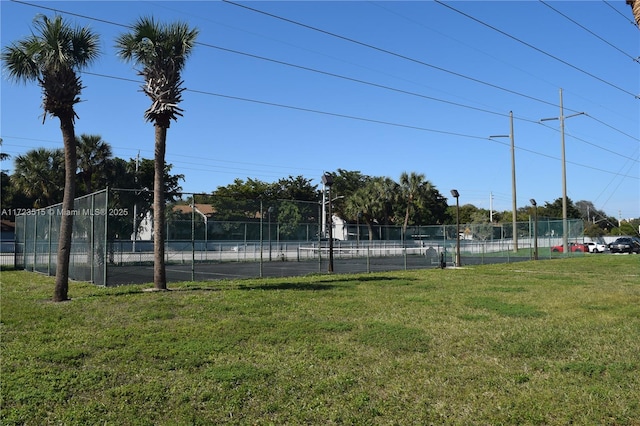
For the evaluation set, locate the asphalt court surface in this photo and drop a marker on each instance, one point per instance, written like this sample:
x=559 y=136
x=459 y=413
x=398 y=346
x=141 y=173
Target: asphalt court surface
x=141 y=274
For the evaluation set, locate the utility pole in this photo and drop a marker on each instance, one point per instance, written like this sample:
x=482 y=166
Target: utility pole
x=327 y=180
x=135 y=206
x=513 y=184
x=456 y=195
x=565 y=237
x=535 y=229
x=491 y=207
x=565 y=230
x=513 y=180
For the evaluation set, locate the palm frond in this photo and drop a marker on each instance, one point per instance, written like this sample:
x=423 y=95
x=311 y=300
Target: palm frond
x=161 y=51
x=18 y=64
x=52 y=55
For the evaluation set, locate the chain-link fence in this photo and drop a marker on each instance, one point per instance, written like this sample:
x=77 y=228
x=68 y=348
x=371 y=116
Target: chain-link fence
x=37 y=231
x=217 y=237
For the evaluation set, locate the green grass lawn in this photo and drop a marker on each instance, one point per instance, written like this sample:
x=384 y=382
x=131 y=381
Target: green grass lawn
x=549 y=342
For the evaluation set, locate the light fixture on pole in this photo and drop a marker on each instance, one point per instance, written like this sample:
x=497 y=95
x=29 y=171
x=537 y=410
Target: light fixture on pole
x=455 y=194
x=535 y=228
x=327 y=180
x=513 y=181
x=565 y=233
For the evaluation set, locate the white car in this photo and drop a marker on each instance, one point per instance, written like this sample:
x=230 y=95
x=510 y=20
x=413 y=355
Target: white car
x=596 y=247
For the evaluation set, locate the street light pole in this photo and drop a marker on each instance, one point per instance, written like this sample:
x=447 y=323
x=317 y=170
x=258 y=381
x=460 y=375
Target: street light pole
x=327 y=180
x=358 y=229
x=455 y=194
x=513 y=184
x=513 y=181
x=535 y=228
x=565 y=233
x=269 y=211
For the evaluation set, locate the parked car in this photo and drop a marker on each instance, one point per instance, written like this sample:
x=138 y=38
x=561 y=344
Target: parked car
x=596 y=247
x=625 y=245
x=573 y=248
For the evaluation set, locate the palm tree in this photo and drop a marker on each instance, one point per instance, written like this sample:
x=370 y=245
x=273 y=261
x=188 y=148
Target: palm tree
x=3 y=155
x=412 y=189
x=362 y=204
x=39 y=174
x=161 y=50
x=373 y=203
x=93 y=156
x=385 y=191
x=53 y=56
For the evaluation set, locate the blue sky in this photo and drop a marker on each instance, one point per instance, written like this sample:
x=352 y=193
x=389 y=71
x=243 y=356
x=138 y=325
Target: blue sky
x=378 y=87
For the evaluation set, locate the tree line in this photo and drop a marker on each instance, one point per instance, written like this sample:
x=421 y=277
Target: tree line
x=412 y=200
x=39 y=174
x=357 y=198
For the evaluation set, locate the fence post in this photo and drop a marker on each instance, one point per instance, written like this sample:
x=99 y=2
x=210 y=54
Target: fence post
x=193 y=238
x=90 y=254
x=320 y=232
x=49 y=238
x=245 y=241
x=261 y=231
x=34 y=240
x=105 y=244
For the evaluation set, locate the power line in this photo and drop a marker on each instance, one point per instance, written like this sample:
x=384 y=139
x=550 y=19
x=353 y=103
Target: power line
x=612 y=128
x=537 y=49
x=589 y=31
x=413 y=60
x=434 y=66
x=352 y=117
x=325 y=72
x=388 y=123
x=626 y=18
x=379 y=121
x=70 y=13
x=590 y=143
x=286 y=63
x=209 y=160
x=470 y=46
x=402 y=91
x=355 y=80
x=619 y=174
x=388 y=52
x=333 y=114
x=375 y=121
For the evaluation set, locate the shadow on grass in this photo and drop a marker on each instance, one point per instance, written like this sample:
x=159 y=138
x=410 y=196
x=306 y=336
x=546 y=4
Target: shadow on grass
x=290 y=286
x=325 y=284
x=329 y=282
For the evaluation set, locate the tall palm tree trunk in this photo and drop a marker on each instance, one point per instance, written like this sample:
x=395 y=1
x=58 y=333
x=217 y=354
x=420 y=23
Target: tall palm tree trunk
x=61 y=291
x=406 y=219
x=159 y=271
x=370 y=228
x=635 y=8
